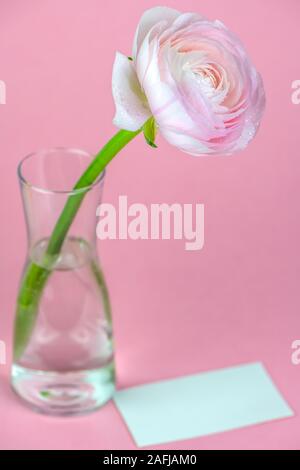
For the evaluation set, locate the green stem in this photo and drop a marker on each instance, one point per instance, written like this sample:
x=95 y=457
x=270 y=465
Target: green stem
x=90 y=175
x=35 y=276
x=104 y=291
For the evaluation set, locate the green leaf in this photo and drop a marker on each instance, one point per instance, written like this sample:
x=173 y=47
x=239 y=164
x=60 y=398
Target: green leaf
x=129 y=58
x=152 y=144
x=150 y=131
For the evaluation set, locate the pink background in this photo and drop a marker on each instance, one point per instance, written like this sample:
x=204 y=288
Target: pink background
x=175 y=312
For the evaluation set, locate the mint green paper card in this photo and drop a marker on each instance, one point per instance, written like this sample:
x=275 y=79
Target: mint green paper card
x=200 y=404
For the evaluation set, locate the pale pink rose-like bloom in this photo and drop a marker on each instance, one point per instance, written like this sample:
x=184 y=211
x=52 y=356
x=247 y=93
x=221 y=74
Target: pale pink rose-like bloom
x=195 y=77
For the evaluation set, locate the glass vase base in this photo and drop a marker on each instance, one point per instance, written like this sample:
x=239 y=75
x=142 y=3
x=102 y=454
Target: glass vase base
x=64 y=393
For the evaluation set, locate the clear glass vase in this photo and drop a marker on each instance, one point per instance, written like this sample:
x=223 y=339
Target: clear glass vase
x=66 y=365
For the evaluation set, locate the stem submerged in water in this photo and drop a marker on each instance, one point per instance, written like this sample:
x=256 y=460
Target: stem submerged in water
x=35 y=276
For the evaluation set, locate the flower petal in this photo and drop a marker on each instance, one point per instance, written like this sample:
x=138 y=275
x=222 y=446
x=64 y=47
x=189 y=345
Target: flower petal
x=186 y=143
x=149 y=19
x=132 y=110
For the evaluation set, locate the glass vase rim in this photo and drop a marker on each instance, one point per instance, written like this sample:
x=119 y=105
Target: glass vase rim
x=25 y=181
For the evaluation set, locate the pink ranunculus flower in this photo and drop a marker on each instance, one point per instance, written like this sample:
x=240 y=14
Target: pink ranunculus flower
x=195 y=77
